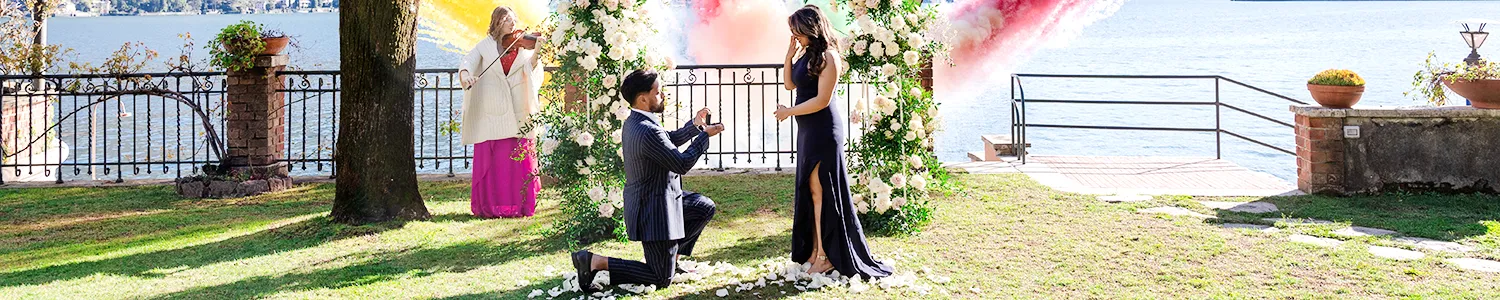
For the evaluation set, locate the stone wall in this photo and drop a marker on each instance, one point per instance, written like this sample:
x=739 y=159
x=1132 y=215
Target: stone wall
x=1375 y=150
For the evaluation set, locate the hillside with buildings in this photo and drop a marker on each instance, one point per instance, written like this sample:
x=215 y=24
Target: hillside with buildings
x=84 y=8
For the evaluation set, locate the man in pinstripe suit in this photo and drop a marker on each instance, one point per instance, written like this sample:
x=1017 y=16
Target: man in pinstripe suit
x=658 y=213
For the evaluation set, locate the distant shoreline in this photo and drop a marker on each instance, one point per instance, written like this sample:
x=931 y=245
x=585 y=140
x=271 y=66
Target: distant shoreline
x=272 y=12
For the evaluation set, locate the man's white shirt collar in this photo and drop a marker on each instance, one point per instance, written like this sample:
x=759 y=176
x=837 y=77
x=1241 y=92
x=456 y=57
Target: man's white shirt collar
x=648 y=115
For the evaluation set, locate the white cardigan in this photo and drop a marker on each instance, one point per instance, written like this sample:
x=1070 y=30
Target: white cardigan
x=497 y=106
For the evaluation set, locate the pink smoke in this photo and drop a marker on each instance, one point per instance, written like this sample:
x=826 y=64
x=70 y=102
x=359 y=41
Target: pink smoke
x=992 y=37
x=738 y=32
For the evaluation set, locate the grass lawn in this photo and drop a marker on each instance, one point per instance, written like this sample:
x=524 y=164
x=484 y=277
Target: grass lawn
x=1003 y=236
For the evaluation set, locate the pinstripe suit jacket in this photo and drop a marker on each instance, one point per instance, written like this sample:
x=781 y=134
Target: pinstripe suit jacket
x=653 y=171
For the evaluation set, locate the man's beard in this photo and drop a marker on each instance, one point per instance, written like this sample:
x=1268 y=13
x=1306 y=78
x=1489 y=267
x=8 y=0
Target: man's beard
x=659 y=107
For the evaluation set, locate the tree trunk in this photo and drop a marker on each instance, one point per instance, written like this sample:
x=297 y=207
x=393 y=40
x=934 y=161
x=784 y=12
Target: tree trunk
x=376 y=175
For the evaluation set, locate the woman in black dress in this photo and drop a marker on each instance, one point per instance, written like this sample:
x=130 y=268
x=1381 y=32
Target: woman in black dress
x=825 y=229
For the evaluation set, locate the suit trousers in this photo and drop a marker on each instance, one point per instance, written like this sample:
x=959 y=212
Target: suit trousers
x=661 y=256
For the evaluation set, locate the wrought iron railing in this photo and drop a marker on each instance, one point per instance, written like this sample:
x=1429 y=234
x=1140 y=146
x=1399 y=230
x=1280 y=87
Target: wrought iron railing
x=142 y=136
x=1020 y=123
x=80 y=126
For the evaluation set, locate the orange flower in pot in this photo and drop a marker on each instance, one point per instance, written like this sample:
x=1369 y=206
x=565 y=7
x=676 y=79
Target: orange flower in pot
x=1336 y=88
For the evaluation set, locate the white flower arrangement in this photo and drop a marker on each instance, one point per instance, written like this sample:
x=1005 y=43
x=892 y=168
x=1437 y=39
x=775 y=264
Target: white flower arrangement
x=595 y=42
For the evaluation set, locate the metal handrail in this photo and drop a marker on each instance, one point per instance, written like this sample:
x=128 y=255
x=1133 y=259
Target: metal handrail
x=1019 y=123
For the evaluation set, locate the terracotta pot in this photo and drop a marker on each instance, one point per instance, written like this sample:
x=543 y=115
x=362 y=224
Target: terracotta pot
x=275 y=45
x=1335 y=96
x=1484 y=93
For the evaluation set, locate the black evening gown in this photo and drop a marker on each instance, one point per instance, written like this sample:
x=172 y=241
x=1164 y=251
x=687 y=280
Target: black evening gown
x=820 y=143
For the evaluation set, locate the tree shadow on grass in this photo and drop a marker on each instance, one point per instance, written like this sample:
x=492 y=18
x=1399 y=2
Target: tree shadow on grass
x=522 y=292
x=1434 y=216
x=770 y=291
x=751 y=250
x=299 y=235
x=406 y=263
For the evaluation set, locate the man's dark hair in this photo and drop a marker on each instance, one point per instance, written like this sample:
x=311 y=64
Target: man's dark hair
x=639 y=81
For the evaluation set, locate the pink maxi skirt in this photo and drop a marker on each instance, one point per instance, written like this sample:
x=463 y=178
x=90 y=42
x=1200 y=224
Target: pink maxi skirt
x=504 y=187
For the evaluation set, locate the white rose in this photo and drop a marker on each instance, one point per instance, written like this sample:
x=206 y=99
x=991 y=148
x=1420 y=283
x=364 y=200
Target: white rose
x=548 y=146
x=899 y=25
x=615 y=136
x=872 y=3
x=611 y=4
x=910 y=135
x=895 y=3
x=585 y=139
x=585 y=171
x=860 y=47
x=866 y=24
x=891 y=48
x=617 y=52
x=581 y=3
x=671 y=64
x=912 y=58
x=885 y=104
x=858 y=199
x=915 y=124
x=895 y=126
x=898 y=201
x=606 y=210
x=597 y=193
x=610 y=81
x=898 y=180
x=617 y=197
x=919 y=182
x=915 y=92
x=878 y=186
x=915 y=40
x=882 y=203
x=622 y=112
x=888 y=69
x=862 y=207
x=589 y=161
x=916 y=162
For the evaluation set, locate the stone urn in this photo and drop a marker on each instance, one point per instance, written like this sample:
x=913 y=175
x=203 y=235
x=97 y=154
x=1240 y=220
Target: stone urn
x=1336 y=96
x=1483 y=93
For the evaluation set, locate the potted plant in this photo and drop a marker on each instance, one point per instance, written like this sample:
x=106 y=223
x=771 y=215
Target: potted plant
x=236 y=46
x=1480 y=83
x=1336 y=88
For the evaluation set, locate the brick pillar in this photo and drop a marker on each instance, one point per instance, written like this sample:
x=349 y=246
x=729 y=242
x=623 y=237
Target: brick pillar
x=256 y=127
x=925 y=75
x=1320 y=153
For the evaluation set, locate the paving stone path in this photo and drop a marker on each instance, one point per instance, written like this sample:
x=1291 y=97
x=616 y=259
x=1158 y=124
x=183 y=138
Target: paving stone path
x=1175 y=211
x=1244 y=207
x=1398 y=254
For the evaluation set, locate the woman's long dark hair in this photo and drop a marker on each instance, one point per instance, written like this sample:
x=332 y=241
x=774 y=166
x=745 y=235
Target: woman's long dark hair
x=809 y=21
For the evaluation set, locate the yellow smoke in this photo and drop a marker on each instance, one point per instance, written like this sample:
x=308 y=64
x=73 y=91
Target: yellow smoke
x=456 y=25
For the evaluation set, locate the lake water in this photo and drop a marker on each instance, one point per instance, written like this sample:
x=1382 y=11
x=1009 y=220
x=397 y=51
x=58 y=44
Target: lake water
x=1271 y=45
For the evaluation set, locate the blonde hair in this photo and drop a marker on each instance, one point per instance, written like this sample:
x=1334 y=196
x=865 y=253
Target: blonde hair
x=502 y=21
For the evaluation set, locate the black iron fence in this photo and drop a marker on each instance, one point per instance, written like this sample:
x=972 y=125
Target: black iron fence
x=92 y=126
x=65 y=127
x=1020 y=124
